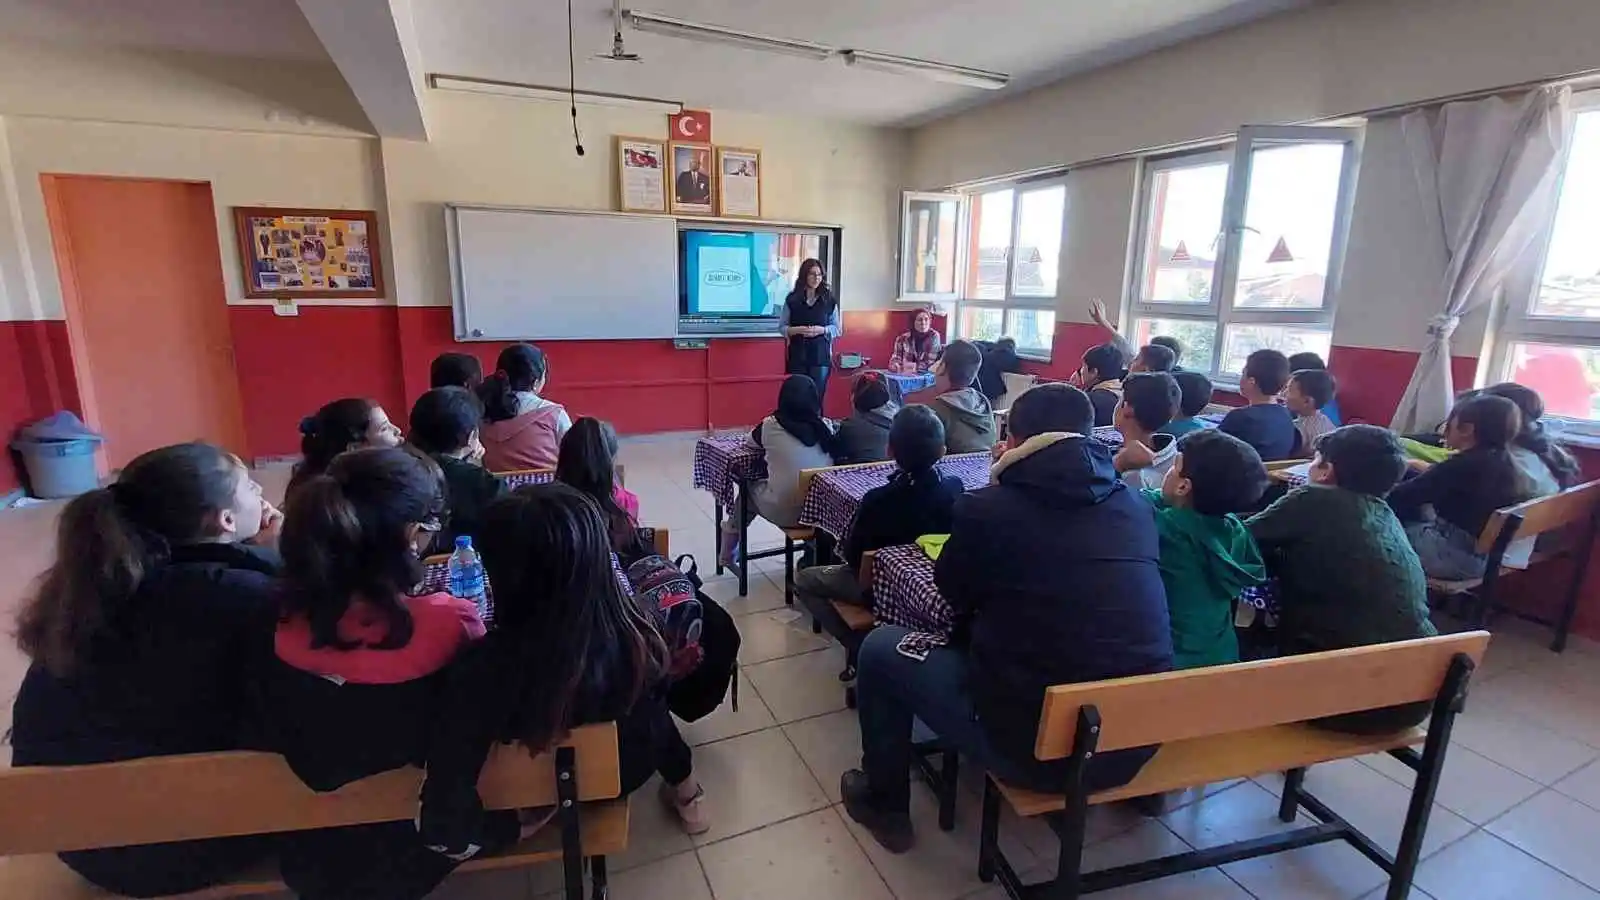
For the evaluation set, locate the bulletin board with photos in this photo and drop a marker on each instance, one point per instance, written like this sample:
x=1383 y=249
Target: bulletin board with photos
x=309 y=253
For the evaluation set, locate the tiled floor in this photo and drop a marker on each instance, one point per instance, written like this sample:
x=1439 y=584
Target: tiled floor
x=1517 y=818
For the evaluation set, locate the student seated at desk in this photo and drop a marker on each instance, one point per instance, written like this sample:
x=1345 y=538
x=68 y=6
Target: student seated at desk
x=521 y=430
x=1309 y=392
x=589 y=463
x=795 y=437
x=918 y=349
x=353 y=685
x=1086 y=604
x=916 y=501
x=967 y=414
x=864 y=437
x=349 y=424
x=137 y=638
x=569 y=648
x=1445 y=508
x=1299 y=362
x=1207 y=555
x=1149 y=400
x=1263 y=424
x=1548 y=468
x=1347 y=575
x=999 y=360
x=455 y=370
x=1196 y=396
x=444 y=425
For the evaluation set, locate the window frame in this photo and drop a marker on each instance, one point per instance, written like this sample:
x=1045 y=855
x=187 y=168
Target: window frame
x=1517 y=323
x=1221 y=310
x=906 y=199
x=1012 y=301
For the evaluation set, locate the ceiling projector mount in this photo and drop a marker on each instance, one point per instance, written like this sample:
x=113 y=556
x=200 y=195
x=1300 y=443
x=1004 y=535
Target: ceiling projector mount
x=619 y=49
x=669 y=26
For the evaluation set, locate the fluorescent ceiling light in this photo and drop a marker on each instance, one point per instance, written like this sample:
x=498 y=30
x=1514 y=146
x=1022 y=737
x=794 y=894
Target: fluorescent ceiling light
x=552 y=94
x=668 y=26
x=937 y=71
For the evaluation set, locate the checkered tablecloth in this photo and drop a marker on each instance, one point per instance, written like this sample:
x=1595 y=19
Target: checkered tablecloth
x=835 y=495
x=722 y=459
x=436 y=579
x=903 y=593
x=525 y=477
x=910 y=384
x=1108 y=435
x=1298 y=476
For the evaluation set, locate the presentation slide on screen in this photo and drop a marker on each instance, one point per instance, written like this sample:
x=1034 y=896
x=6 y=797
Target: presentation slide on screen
x=733 y=274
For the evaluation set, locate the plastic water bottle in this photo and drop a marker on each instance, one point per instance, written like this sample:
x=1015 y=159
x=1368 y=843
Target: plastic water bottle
x=466 y=576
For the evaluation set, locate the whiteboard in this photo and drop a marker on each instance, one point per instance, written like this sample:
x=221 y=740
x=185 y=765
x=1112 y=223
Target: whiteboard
x=531 y=274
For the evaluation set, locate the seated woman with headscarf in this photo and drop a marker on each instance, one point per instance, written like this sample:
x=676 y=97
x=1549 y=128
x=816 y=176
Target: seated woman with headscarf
x=918 y=349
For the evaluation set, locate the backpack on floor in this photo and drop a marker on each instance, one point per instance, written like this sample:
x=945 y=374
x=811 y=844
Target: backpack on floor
x=702 y=639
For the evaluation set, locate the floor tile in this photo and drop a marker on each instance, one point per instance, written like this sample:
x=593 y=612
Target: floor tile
x=1556 y=707
x=1332 y=871
x=1483 y=867
x=654 y=831
x=1246 y=811
x=775 y=635
x=674 y=878
x=799 y=687
x=1557 y=830
x=726 y=722
x=1415 y=894
x=503 y=884
x=754 y=780
x=807 y=858
x=1583 y=785
x=1497 y=732
x=829 y=745
x=1377 y=806
x=1207 y=884
x=764 y=594
x=1472 y=786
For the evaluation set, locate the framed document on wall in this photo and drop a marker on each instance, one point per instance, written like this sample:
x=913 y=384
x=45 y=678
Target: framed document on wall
x=694 y=179
x=309 y=253
x=641 y=175
x=740 y=192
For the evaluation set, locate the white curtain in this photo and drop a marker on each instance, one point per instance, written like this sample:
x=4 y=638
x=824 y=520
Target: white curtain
x=1489 y=172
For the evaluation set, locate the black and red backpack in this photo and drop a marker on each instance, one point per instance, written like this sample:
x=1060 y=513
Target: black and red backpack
x=702 y=639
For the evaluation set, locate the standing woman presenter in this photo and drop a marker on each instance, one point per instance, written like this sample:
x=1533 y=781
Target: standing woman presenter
x=810 y=322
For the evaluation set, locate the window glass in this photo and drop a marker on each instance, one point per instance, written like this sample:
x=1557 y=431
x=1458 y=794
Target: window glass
x=1183 y=226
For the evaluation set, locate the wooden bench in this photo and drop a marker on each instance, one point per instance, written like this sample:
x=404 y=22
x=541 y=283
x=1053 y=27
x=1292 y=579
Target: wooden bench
x=1574 y=513
x=1238 y=721
x=48 y=810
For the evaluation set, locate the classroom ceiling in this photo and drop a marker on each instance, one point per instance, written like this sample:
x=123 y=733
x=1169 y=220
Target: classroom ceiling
x=1035 y=41
x=257 y=29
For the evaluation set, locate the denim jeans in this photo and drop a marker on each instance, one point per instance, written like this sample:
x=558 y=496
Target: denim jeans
x=892 y=691
x=1447 y=552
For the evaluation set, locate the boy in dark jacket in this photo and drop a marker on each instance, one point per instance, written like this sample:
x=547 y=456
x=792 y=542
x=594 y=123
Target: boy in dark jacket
x=864 y=437
x=967 y=415
x=1052 y=574
x=444 y=425
x=916 y=501
x=1264 y=424
x=999 y=361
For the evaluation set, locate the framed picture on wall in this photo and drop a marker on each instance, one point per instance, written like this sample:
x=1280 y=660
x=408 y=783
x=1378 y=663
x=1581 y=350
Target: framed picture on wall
x=641 y=175
x=694 y=179
x=740 y=192
x=309 y=253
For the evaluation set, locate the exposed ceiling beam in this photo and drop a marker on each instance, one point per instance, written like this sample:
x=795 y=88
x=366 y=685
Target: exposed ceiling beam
x=373 y=42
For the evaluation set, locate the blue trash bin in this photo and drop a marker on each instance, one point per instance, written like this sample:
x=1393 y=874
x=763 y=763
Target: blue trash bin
x=58 y=453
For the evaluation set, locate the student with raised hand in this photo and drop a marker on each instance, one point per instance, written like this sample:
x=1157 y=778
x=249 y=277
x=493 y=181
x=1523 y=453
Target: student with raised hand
x=569 y=648
x=1090 y=607
x=1446 y=507
x=1347 y=575
x=455 y=370
x=864 y=436
x=349 y=424
x=1207 y=555
x=521 y=430
x=1547 y=467
x=1149 y=401
x=353 y=686
x=795 y=437
x=967 y=415
x=1195 y=391
x=588 y=462
x=139 y=637
x=444 y=425
x=1263 y=423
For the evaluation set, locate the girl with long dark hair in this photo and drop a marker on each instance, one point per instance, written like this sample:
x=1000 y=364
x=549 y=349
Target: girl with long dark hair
x=809 y=322
x=1548 y=467
x=139 y=637
x=569 y=648
x=444 y=425
x=348 y=424
x=588 y=463
x=521 y=429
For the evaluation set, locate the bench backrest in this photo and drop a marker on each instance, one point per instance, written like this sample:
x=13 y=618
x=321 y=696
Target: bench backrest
x=1544 y=514
x=178 y=798
x=1192 y=703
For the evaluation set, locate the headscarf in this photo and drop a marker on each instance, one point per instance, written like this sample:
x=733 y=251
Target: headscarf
x=799 y=412
x=922 y=341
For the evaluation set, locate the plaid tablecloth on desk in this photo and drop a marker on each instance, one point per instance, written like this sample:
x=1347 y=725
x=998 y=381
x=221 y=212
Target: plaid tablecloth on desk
x=910 y=384
x=1108 y=435
x=525 y=477
x=722 y=459
x=835 y=495
x=903 y=593
x=1299 y=476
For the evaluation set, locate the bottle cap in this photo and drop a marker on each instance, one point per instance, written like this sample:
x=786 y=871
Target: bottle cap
x=464 y=542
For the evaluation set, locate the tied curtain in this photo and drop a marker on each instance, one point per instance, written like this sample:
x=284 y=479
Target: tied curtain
x=1488 y=172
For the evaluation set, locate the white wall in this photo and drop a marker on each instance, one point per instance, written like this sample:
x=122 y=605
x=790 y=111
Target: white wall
x=244 y=169
x=519 y=153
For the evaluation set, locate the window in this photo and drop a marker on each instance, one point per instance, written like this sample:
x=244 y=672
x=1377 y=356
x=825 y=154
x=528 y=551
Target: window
x=1239 y=250
x=1551 y=338
x=996 y=254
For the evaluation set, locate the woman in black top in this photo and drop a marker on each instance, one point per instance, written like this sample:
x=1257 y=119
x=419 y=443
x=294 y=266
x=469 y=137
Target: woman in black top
x=810 y=322
x=1445 y=508
x=139 y=640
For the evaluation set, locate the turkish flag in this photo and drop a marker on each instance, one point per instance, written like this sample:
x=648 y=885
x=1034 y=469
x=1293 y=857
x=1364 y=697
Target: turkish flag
x=690 y=125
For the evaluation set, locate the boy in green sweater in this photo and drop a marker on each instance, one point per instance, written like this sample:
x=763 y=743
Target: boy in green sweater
x=1347 y=574
x=1207 y=556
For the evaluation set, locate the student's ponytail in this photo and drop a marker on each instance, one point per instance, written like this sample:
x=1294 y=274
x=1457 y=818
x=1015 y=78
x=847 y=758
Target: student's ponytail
x=328 y=432
x=520 y=367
